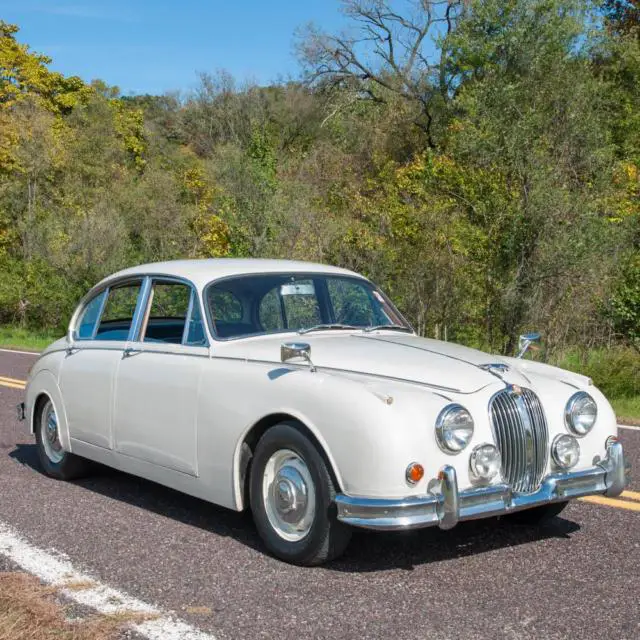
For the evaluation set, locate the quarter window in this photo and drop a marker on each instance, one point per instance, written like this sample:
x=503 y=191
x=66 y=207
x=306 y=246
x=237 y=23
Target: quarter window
x=87 y=322
x=119 y=309
x=195 y=333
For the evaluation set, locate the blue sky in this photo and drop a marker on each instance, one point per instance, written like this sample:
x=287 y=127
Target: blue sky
x=152 y=46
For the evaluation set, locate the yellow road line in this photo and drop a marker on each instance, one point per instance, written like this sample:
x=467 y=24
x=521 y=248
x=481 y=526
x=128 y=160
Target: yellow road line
x=12 y=383
x=611 y=502
x=12 y=380
x=632 y=495
x=8 y=382
x=11 y=386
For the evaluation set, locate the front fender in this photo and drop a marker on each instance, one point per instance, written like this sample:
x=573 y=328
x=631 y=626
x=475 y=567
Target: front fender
x=370 y=430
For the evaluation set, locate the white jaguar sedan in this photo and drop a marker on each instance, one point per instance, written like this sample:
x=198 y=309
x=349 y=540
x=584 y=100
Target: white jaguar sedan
x=298 y=390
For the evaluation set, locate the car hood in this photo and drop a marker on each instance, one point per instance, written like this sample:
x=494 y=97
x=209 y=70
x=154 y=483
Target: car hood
x=407 y=357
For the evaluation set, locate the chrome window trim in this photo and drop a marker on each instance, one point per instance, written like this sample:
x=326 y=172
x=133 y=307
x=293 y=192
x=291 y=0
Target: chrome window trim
x=141 y=309
x=302 y=274
x=187 y=321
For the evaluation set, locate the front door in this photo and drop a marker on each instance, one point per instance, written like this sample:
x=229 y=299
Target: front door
x=158 y=381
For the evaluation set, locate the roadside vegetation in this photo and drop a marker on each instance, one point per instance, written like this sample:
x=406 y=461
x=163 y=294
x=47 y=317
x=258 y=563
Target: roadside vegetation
x=490 y=183
x=12 y=337
x=30 y=611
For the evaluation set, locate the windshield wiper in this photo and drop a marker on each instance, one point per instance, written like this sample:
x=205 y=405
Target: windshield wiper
x=389 y=327
x=326 y=327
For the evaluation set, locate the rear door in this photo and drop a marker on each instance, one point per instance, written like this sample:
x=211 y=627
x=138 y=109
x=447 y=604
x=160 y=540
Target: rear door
x=88 y=372
x=158 y=380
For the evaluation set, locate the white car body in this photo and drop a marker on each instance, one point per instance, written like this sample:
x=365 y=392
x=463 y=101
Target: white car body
x=188 y=416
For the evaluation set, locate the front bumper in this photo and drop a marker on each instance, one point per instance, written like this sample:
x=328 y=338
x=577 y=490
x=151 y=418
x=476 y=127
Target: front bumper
x=445 y=506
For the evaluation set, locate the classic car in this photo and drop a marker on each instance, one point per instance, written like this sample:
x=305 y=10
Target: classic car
x=299 y=391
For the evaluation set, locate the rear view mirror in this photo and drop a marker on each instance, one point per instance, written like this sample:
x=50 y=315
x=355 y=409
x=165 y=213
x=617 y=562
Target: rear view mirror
x=527 y=340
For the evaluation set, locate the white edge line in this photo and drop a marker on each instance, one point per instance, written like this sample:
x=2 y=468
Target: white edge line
x=628 y=426
x=25 y=353
x=56 y=570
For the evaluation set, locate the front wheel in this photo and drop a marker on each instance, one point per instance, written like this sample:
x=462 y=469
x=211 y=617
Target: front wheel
x=292 y=499
x=55 y=461
x=538 y=515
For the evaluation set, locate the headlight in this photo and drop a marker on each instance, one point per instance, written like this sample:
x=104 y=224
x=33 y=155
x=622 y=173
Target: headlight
x=565 y=451
x=454 y=428
x=580 y=413
x=484 y=462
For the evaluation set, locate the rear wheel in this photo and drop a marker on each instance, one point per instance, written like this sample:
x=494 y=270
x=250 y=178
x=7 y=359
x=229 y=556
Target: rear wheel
x=55 y=461
x=292 y=499
x=538 y=515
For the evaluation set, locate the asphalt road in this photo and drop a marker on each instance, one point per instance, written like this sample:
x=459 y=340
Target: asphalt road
x=577 y=577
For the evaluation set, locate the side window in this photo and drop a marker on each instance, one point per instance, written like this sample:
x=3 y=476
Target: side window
x=87 y=321
x=117 y=316
x=167 y=312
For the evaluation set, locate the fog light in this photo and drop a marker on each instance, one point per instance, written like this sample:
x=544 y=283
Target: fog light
x=565 y=451
x=415 y=473
x=484 y=462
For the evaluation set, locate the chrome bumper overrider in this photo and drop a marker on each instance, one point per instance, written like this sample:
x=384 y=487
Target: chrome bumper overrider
x=446 y=506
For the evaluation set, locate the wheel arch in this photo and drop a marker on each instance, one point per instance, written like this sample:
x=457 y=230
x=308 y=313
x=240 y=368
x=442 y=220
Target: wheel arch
x=247 y=444
x=44 y=385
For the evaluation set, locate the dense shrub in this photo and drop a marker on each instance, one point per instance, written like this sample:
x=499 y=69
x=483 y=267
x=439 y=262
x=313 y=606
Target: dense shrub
x=615 y=371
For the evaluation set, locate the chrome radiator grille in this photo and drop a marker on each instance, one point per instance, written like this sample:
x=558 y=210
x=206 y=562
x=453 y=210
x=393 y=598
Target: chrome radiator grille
x=521 y=434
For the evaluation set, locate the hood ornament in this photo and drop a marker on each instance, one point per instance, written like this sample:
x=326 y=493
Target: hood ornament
x=496 y=368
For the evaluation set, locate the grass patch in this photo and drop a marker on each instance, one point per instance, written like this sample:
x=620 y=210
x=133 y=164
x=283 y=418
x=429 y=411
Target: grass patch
x=615 y=371
x=627 y=410
x=30 y=610
x=12 y=337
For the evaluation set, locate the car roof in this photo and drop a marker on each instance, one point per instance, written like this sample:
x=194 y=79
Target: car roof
x=201 y=272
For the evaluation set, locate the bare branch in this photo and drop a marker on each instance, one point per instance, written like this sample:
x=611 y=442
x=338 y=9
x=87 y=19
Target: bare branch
x=390 y=50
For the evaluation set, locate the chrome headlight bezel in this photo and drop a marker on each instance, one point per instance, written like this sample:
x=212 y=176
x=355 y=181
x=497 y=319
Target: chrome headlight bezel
x=462 y=433
x=570 y=417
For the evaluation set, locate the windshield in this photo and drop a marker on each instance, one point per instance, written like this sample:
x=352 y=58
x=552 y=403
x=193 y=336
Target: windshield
x=276 y=303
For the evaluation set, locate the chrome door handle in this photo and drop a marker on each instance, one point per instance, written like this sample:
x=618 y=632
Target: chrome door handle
x=129 y=351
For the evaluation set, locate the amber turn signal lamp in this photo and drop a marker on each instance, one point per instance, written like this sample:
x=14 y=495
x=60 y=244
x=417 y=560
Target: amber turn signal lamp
x=415 y=473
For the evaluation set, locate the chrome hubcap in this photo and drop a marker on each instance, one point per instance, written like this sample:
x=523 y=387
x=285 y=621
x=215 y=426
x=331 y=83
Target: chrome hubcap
x=288 y=494
x=50 y=436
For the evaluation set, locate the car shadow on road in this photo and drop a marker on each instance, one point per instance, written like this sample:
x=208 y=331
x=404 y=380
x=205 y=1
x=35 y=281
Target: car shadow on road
x=368 y=551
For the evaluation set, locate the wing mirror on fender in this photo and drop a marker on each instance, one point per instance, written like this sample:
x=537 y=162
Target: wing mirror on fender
x=526 y=342
x=292 y=350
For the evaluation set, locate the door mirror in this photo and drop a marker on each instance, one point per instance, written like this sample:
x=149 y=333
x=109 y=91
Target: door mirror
x=527 y=340
x=292 y=350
